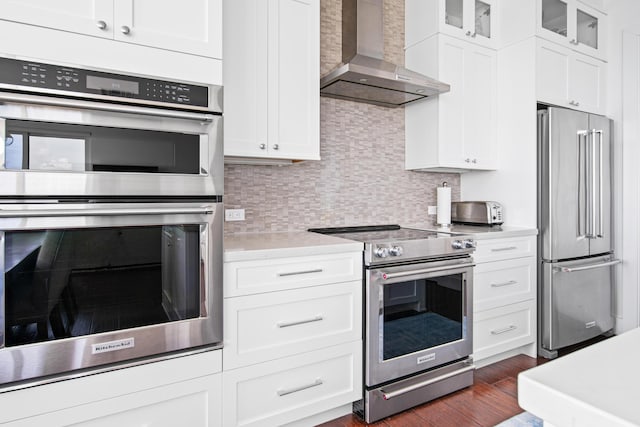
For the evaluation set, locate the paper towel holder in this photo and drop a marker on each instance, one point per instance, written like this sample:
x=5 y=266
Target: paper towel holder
x=443 y=219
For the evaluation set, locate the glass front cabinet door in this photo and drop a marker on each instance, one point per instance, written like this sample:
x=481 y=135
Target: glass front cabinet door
x=471 y=19
x=573 y=24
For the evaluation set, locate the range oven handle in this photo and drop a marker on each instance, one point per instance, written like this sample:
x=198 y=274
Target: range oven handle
x=103 y=212
x=386 y=276
x=405 y=390
x=101 y=106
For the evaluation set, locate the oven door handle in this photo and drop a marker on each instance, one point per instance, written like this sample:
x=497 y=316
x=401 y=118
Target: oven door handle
x=386 y=276
x=112 y=108
x=103 y=212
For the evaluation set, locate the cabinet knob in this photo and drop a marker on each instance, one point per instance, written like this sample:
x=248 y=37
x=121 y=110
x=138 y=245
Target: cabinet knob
x=474 y=161
x=101 y=25
x=470 y=34
x=573 y=41
x=125 y=30
x=275 y=146
x=263 y=146
x=467 y=160
x=574 y=103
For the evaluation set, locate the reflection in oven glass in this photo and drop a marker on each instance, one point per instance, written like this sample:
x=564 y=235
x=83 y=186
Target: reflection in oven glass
x=421 y=314
x=74 y=282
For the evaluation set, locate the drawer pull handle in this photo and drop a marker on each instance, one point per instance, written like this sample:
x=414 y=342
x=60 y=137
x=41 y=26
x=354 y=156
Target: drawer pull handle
x=316 y=383
x=295 y=273
x=506 y=248
x=299 y=322
x=499 y=285
x=504 y=330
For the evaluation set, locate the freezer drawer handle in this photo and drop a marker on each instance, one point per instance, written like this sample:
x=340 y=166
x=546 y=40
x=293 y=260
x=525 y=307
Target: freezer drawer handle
x=405 y=390
x=504 y=330
x=586 y=267
x=316 y=383
x=499 y=285
x=299 y=322
x=296 y=273
x=506 y=248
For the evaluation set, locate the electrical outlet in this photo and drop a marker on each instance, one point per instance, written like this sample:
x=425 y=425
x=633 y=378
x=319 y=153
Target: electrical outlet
x=432 y=210
x=234 y=214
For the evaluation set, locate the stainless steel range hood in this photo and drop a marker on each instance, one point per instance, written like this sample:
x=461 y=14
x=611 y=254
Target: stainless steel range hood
x=364 y=76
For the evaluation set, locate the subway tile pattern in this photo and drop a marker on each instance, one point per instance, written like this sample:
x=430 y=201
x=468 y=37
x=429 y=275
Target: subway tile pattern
x=361 y=178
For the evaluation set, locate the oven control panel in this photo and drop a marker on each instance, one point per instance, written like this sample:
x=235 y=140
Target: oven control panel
x=37 y=76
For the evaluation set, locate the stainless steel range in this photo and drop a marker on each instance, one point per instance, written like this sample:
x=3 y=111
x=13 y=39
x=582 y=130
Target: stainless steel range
x=418 y=316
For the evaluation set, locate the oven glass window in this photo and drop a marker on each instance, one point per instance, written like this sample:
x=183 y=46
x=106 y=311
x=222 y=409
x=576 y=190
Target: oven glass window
x=421 y=314
x=80 y=148
x=74 y=282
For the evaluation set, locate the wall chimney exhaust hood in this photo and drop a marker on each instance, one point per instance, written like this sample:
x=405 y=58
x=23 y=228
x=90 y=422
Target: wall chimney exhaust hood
x=364 y=76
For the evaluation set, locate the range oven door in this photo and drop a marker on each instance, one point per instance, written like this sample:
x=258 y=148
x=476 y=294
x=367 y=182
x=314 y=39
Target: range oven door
x=62 y=146
x=418 y=316
x=85 y=285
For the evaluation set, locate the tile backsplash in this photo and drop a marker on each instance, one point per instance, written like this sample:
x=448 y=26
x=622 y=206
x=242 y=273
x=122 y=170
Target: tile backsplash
x=361 y=178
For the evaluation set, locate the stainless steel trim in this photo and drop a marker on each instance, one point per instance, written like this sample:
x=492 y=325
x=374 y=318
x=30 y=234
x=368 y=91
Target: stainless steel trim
x=100 y=106
x=504 y=330
x=296 y=273
x=102 y=212
x=386 y=276
x=499 y=285
x=506 y=248
x=586 y=267
x=299 y=322
x=581 y=184
x=2 y=308
x=284 y=392
x=404 y=390
x=3 y=141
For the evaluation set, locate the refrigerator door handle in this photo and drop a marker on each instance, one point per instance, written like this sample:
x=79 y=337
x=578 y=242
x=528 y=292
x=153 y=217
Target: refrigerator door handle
x=586 y=267
x=582 y=183
x=598 y=201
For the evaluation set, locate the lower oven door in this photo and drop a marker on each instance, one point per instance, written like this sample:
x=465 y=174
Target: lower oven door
x=418 y=316
x=84 y=285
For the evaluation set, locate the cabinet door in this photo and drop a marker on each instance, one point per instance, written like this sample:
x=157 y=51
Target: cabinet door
x=92 y=17
x=586 y=83
x=195 y=27
x=480 y=103
x=294 y=79
x=471 y=20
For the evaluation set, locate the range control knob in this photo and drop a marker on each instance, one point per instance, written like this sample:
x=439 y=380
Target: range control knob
x=395 y=251
x=469 y=243
x=457 y=244
x=381 y=252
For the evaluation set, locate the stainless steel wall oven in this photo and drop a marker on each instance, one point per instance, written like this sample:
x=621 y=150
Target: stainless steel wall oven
x=111 y=222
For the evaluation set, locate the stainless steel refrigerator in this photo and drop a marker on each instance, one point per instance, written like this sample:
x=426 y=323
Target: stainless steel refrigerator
x=575 y=248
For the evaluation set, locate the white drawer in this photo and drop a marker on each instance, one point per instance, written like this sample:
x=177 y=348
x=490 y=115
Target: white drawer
x=499 y=249
x=264 y=327
x=503 y=329
x=251 y=277
x=289 y=389
x=503 y=282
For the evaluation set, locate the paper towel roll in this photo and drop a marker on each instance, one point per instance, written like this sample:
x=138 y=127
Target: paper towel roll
x=444 y=206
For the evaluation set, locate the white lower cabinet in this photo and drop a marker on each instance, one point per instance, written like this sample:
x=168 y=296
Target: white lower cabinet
x=288 y=389
x=179 y=392
x=293 y=338
x=504 y=299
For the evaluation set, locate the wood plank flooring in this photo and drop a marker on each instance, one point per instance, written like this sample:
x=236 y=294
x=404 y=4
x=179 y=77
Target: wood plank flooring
x=492 y=399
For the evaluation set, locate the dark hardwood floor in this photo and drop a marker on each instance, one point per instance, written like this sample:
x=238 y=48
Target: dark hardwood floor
x=491 y=399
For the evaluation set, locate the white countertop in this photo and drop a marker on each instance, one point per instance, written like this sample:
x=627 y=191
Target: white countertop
x=595 y=386
x=253 y=246
x=482 y=232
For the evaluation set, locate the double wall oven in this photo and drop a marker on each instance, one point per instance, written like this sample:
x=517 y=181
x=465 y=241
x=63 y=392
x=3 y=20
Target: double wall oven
x=417 y=314
x=110 y=220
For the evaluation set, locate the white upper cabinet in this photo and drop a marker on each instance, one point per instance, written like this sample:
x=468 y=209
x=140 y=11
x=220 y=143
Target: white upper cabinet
x=456 y=130
x=271 y=78
x=470 y=20
x=572 y=24
x=569 y=79
x=195 y=27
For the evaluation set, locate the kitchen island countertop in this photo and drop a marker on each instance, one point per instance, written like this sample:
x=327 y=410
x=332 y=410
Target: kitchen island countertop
x=595 y=386
x=254 y=246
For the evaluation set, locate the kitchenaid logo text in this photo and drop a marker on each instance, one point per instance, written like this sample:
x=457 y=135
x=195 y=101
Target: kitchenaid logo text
x=112 y=346
x=427 y=358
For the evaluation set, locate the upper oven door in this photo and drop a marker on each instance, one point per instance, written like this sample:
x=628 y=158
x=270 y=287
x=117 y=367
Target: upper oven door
x=66 y=147
x=419 y=316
